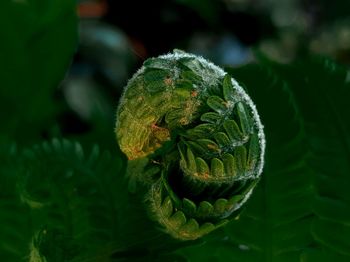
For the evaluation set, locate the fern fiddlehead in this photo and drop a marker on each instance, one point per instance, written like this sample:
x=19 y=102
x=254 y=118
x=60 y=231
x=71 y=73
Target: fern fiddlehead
x=194 y=139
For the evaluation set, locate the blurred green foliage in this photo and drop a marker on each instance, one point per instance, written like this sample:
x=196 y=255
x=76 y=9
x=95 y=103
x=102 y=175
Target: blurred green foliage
x=63 y=201
x=37 y=44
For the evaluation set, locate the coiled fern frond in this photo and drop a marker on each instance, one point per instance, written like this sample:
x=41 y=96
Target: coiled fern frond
x=194 y=139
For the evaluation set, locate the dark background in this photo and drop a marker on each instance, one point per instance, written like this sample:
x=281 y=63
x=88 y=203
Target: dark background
x=117 y=37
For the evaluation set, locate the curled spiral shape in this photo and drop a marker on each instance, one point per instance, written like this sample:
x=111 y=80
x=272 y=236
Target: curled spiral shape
x=193 y=137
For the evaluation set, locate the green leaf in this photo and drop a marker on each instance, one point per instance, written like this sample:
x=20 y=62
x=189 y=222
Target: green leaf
x=60 y=204
x=284 y=190
x=38 y=41
x=325 y=108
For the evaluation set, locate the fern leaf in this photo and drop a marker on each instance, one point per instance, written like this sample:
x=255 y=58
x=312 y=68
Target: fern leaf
x=324 y=105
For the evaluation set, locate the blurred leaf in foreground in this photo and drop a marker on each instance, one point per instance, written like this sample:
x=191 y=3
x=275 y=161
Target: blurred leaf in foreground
x=38 y=39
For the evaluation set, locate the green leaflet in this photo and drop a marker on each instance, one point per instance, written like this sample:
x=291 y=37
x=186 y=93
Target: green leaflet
x=241 y=159
x=200 y=149
x=189 y=207
x=229 y=93
x=216 y=168
x=204 y=209
x=208 y=144
x=244 y=119
x=191 y=226
x=220 y=205
x=201 y=130
x=191 y=161
x=253 y=152
x=190 y=77
x=155 y=63
x=177 y=220
x=167 y=207
x=233 y=131
x=222 y=140
x=155 y=80
x=230 y=165
x=202 y=166
x=217 y=104
x=211 y=117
